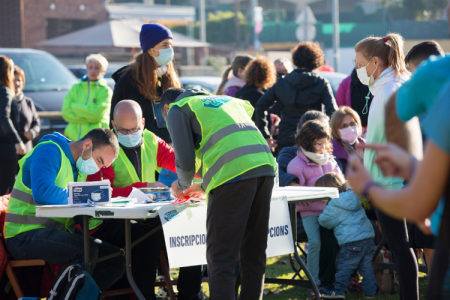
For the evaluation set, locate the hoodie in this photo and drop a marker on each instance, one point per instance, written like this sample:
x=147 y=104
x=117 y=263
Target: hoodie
x=86 y=107
x=40 y=170
x=382 y=89
x=299 y=91
x=233 y=85
x=346 y=216
x=307 y=173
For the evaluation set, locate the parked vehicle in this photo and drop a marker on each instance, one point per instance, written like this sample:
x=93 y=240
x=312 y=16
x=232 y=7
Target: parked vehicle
x=47 y=82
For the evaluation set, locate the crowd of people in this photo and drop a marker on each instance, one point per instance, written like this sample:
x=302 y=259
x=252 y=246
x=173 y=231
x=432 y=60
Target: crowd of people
x=365 y=141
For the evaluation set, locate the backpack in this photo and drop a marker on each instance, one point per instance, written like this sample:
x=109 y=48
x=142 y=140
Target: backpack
x=74 y=283
x=385 y=277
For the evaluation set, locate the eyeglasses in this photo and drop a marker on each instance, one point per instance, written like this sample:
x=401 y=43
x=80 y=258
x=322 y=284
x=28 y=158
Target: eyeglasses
x=128 y=131
x=352 y=124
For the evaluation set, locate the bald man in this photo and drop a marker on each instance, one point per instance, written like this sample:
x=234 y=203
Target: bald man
x=140 y=153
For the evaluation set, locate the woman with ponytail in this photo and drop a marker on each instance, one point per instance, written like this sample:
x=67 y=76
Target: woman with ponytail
x=230 y=85
x=346 y=131
x=147 y=77
x=380 y=64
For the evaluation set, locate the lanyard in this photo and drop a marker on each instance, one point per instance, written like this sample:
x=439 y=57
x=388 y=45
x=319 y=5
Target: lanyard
x=366 y=107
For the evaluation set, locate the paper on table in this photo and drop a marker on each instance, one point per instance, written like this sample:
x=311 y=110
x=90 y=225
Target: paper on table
x=140 y=196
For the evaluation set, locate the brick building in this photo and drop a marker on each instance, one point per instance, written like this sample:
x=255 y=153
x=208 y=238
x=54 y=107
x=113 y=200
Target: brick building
x=24 y=23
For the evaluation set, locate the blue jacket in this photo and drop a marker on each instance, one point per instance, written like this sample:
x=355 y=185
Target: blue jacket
x=41 y=168
x=348 y=219
x=284 y=158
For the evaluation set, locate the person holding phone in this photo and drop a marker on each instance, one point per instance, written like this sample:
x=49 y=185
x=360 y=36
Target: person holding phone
x=149 y=74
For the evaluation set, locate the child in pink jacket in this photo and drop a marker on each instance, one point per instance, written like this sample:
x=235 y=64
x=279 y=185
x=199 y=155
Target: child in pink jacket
x=312 y=161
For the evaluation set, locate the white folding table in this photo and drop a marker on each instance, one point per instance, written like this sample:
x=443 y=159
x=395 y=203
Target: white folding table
x=295 y=195
x=143 y=211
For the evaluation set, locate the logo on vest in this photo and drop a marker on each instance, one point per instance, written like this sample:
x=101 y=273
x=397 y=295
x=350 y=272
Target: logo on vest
x=215 y=101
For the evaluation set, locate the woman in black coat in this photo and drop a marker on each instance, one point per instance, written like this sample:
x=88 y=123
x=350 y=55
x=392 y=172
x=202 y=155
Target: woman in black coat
x=297 y=92
x=29 y=123
x=150 y=74
x=10 y=141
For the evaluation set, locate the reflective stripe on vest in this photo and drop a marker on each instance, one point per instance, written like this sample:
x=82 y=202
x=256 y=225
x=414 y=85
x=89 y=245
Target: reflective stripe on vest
x=24 y=197
x=21 y=211
x=231 y=144
x=33 y=220
x=230 y=156
x=227 y=131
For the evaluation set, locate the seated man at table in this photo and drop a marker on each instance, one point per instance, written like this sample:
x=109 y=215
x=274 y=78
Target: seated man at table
x=141 y=152
x=42 y=180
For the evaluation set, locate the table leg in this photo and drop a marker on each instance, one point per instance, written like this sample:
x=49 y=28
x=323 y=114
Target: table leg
x=297 y=257
x=87 y=244
x=129 y=260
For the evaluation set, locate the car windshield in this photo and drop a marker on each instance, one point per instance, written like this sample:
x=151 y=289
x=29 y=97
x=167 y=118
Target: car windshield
x=43 y=72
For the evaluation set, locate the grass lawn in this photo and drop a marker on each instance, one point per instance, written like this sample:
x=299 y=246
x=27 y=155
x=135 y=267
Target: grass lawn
x=280 y=267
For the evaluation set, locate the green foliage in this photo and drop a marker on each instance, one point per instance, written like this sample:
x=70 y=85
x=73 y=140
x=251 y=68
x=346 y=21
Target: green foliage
x=419 y=10
x=220 y=28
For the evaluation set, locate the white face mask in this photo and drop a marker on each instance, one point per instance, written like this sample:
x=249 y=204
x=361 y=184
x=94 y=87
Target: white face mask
x=363 y=77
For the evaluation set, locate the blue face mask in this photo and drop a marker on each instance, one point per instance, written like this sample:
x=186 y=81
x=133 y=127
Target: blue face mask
x=165 y=56
x=88 y=166
x=129 y=140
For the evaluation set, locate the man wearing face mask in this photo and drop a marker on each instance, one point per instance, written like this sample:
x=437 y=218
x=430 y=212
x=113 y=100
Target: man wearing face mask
x=141 y=152
x=44 y=174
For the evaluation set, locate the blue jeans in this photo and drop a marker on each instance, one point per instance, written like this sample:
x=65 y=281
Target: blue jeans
x=59 y=247
x=312 y=228
x=357 y=256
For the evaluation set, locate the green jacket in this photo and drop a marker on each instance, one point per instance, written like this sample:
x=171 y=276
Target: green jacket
x=86 y=107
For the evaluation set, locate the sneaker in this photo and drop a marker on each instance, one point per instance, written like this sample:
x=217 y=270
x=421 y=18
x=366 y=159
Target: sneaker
x=334 y=295
x=370 y=297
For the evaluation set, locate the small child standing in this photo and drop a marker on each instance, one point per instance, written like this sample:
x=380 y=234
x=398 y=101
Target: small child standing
x=87 y=105
x=354 y=232
x=312 y=161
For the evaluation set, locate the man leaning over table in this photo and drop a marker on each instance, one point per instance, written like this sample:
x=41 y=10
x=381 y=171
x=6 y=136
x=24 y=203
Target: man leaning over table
x=141 y=153
x=42 y=180
x=216 y=137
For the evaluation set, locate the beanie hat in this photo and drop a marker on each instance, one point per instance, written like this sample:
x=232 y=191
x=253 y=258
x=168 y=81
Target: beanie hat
x=152 y=34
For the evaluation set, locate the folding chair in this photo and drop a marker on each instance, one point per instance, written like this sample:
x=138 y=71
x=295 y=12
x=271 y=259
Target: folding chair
x=13 y=277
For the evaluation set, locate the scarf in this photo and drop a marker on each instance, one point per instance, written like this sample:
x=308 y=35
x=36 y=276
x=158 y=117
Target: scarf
x=320 y=159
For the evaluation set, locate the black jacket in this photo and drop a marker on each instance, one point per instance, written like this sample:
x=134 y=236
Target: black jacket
x=9 y=117
x=125 y=90
x=298 y=92
x=249 y=93
x=29 y=120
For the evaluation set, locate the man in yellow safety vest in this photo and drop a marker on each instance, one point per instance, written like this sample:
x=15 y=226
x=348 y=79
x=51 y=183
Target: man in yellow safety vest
x=42 y=180
x=214 y=136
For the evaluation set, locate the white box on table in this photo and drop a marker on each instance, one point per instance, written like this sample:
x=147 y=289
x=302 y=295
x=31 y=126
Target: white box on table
x=95 y=191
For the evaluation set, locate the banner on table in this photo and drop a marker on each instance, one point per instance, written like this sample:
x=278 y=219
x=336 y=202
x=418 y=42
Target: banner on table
x=279 y=234
x=185 y=233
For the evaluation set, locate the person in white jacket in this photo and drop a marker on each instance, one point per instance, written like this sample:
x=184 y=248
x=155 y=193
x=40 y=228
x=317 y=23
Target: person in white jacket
x=380 y=64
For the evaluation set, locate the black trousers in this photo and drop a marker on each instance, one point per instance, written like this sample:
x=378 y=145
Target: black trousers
x=8 y=167
x=236 y=224
x=146 y=253
x=405 y=261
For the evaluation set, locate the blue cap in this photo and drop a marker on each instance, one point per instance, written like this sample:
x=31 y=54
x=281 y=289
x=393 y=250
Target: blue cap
x=152 y=34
